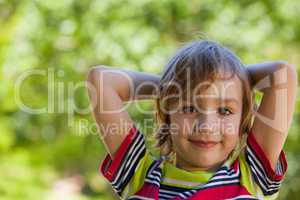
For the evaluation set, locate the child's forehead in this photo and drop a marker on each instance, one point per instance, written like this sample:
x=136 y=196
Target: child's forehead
x=220 y=88
x=232 y=85
x=217 y=92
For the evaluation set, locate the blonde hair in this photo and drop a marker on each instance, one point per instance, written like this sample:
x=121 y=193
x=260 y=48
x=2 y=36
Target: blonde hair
x=205 y=60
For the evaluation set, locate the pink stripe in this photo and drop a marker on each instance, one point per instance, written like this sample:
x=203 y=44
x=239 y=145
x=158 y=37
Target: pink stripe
x=109 y=167
x=259 y=153
x=149 y=190
x=221 y=192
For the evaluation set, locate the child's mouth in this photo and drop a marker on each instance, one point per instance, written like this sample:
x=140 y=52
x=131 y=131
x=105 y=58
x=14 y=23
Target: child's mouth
x=203 y=144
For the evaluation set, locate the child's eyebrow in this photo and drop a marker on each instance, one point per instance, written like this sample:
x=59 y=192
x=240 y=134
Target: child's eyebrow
x=228 y=100
x=224 y=100
x=219 y=101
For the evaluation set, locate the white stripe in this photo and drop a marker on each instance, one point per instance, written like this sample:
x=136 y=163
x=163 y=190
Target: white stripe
x=225 y=171
x=264 y=186
x=160 y=196
x=221 y=183
x=131 y=166
x=169 y=192
x=154 y=177
x=222 y=177
x=153 y=182
x=261 y=176
x=260 y=166
x=140 y=197
x=132 y=148
x=157 y=173
x=189 y=193
x=242 y=196
x=261 y=170
x=181 y=194
x=134 y=156
x=279 y=170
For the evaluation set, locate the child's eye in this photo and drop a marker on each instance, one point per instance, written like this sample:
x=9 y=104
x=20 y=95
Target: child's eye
x=188 y=109
x=224 y=111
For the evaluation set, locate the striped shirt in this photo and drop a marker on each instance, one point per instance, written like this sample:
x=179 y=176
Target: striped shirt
x=135 y=174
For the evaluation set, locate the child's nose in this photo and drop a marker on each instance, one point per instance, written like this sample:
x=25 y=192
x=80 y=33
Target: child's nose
x=207 y=123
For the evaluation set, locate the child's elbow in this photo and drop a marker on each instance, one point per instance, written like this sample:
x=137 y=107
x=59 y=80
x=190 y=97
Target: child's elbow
x=292 y=75
x=289 y=73
x=95 y=74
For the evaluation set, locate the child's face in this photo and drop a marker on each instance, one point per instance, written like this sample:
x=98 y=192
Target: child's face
x=205 y=130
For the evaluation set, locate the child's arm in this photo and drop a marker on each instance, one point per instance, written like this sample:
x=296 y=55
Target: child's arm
x=278 y=83
x=108 y=89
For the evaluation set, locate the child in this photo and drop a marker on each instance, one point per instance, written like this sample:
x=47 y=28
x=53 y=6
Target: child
x=211 y=145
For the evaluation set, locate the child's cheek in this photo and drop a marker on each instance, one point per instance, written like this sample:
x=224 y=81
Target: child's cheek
x=229 y=127
x=230 y=135
x=180 y=126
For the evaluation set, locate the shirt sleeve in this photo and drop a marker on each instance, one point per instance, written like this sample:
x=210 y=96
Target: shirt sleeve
x=127 y=170
x=266 y=178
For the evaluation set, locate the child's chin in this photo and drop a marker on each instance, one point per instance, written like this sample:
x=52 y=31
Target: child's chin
x=208 y=162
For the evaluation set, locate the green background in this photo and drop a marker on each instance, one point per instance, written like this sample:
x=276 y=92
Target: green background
x=48 y=155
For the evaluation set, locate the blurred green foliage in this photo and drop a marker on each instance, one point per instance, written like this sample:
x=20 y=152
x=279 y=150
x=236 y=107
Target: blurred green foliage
x=48 y=155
